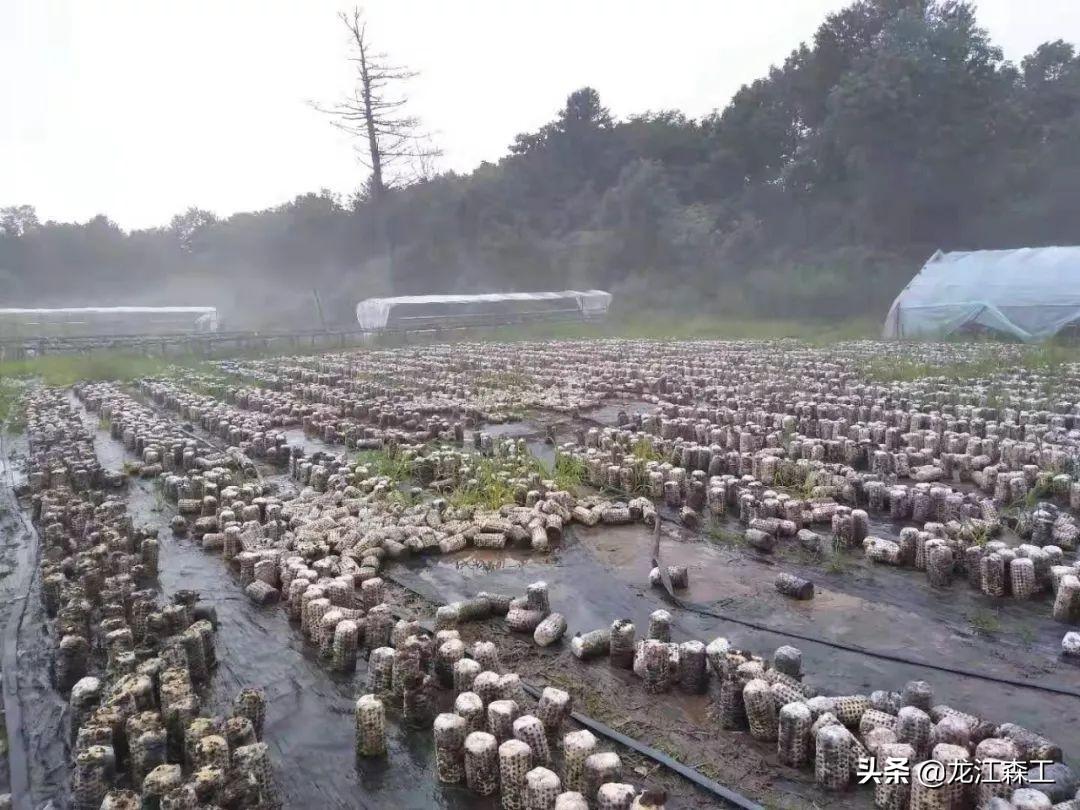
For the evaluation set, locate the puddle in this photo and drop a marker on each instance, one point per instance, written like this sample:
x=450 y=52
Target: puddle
x=600 y=574
x=36 y=767
x=309 y=715
x=608 y=413
x=298 y=436
x=509 y=430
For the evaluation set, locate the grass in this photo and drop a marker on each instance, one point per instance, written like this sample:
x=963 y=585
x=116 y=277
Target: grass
x=401 y=498
x=490 y=490
x=644 y=449
x=63 y=370
x=11 y=406
x=724 y=536
x=569 y=472
x=980 y=534
x=1045 y=359
x=895 y=369
x=634 y=324
x=787 y=480
x=984 y=623
x=836 y=564
x=386 y=463
x=1042 y=490
x=1026 y=636
x=669 y=326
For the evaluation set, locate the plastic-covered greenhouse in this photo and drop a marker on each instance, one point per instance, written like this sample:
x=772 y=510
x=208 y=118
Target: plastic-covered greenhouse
x=1028 y=294
x=488 y=309
x=106 y=321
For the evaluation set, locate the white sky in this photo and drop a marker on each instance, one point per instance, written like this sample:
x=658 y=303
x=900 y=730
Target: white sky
x=141 y=108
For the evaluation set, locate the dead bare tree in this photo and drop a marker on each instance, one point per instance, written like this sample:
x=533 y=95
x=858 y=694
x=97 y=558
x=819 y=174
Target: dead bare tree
x=393 y=146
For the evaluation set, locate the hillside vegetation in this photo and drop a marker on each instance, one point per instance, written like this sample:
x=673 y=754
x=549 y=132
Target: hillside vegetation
x=816 y=192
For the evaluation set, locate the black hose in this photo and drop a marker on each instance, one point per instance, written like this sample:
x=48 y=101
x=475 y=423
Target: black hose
x=731 y=797
x=703 y=610
x=725 y=794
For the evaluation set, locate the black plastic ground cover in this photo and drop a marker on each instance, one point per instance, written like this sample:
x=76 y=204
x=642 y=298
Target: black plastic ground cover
x=9 y=651
x=730 y=796
x=727 y=795
x=705 y=610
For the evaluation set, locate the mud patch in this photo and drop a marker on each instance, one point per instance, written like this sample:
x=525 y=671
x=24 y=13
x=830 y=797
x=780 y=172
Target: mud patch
x=35 y=716
x=602 y=574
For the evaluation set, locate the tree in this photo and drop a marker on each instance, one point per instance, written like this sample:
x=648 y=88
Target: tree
x=187 y=227
x=394 y=148
x=17 y=220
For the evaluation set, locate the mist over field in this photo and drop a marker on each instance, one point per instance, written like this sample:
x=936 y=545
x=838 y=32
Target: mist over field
x=818 y=190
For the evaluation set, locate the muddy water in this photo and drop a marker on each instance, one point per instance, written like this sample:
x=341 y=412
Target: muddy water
x=601 y=574
x=309 y=717
x=35 y=714
x=608 y=413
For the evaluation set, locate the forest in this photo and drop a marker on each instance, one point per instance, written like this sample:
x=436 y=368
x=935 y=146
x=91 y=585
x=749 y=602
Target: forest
x=816 y=191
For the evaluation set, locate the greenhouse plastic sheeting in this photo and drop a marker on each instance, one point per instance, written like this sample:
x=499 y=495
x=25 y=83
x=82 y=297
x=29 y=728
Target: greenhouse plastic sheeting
x=1029 y=293
x=376 y=313
x=89 y=321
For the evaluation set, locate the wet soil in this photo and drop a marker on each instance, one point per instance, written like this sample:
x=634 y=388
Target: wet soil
x=309 y=717
x=600 y=574
x=35 y=769
x=309 y=710
x=608 y=413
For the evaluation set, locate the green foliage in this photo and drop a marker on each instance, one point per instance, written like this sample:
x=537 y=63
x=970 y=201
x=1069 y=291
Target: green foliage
x=400 y=497
x=490 y=490
x=723 y=536
x=63 y=370
x=814 y=194
x=643 y=449
x=836 y=564
x=11 y=410
x=662 y=325
x=387 y=463
x=984 y=622
x=569 y=472
x=792 y=485
x=901 y=369
x=1041 y=490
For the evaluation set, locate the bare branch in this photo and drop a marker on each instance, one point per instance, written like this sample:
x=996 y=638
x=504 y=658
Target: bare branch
x=370 y=114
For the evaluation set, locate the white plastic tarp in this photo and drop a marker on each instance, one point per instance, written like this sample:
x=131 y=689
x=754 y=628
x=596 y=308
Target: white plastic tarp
x=1029 y=293
x=131 y=319
x=595 y=303
x=375 y=313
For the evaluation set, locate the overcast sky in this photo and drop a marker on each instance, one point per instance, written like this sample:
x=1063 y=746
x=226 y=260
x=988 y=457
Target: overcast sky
x=140 y=108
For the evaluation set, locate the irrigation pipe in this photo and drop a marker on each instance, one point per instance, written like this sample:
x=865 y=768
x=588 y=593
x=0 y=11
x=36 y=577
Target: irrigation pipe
x=730 y=796
x=703 y=610
x=715 y=788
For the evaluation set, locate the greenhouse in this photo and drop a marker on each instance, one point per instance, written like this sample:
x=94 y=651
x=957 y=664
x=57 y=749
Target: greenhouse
x=106 y=321
x=1026 y=294
x=489 y=309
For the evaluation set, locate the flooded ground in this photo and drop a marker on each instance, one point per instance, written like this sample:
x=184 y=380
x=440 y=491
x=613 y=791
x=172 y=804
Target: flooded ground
x=601 y=574
x=595 y=576
x=35 y=769
x=608 y=413
x=309 y=724
x=309 y=716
